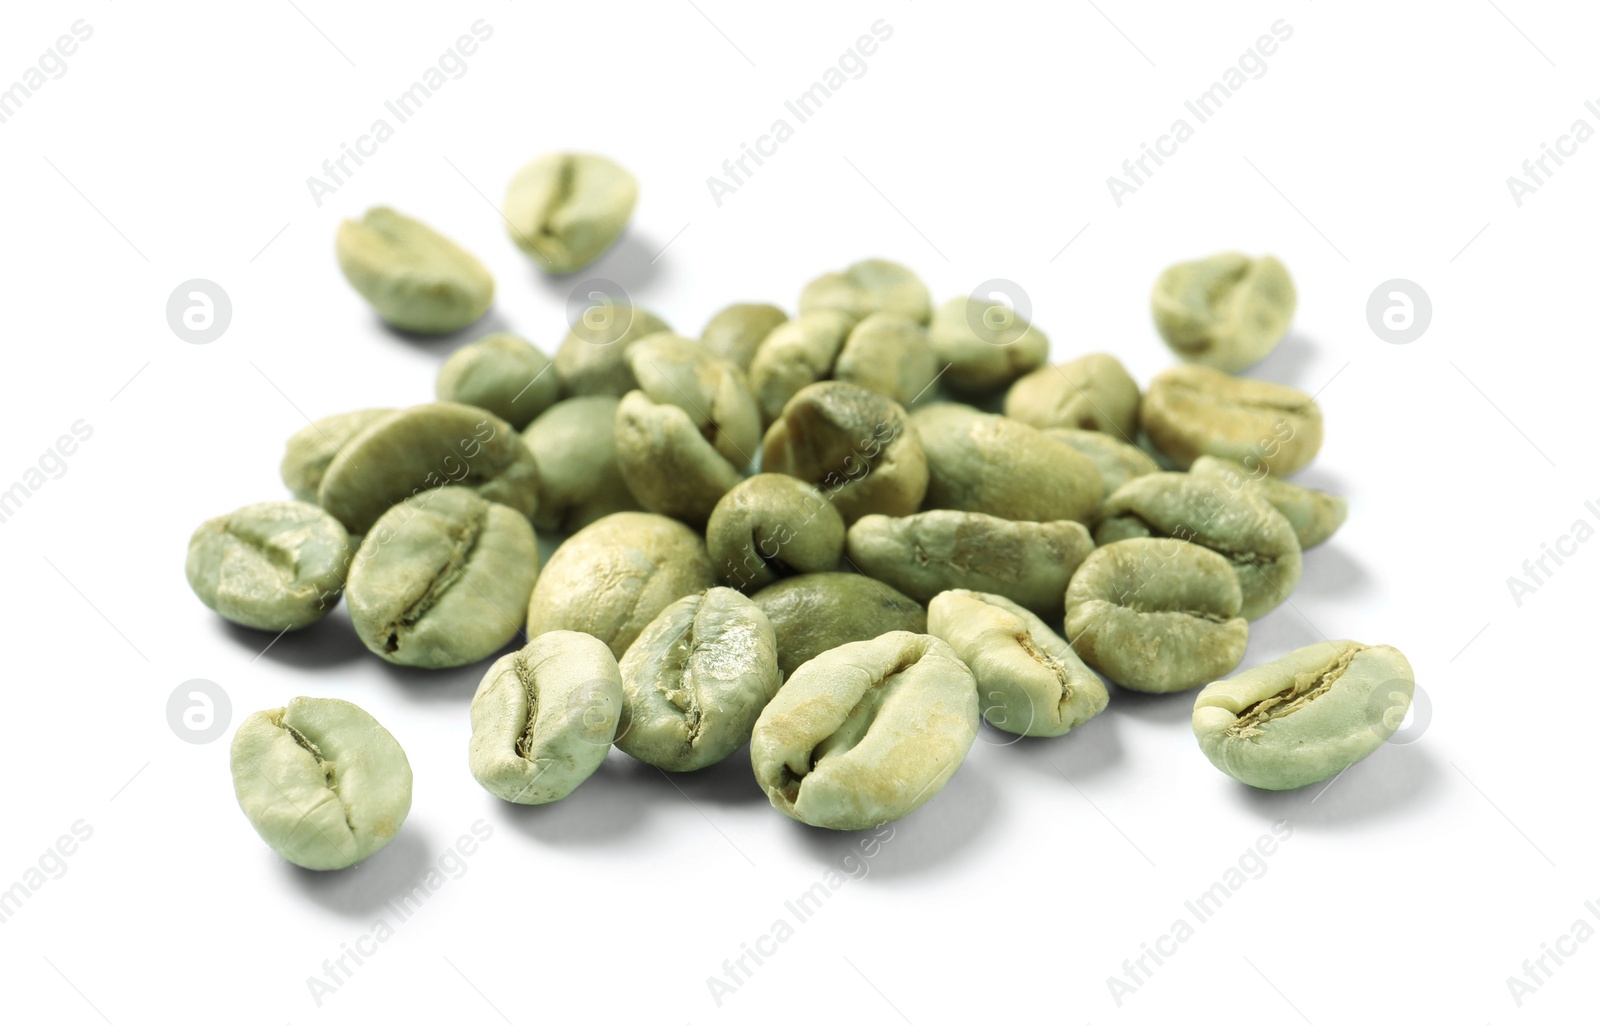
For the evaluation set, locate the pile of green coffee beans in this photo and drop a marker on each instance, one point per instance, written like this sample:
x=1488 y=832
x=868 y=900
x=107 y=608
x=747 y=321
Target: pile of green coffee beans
x=903 y=564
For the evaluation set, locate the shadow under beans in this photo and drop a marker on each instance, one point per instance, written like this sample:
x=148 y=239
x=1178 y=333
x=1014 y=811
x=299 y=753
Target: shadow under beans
x=1287 y=362
x=1330 y=571
x=605 y=807
x=1167 y=709
x=358 y=891
x=452 y=686
x=1396 y=779
x=1090 y=748
x=630 y=262
x=323 y=645
x=730 y=782
x=490 y=323
x=1275 y=634
x=943 y=829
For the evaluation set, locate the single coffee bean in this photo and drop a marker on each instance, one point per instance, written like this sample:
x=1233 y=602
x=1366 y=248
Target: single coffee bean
x=1192 y=411
x=1307 y=716
x=574 y=444
x=423 y=447
x=771 y=526
x=1117 y=461
x=312 y=448
x=736 y=332
x=1156 y=615
x=883 y=352
x=871 y=286
x=985 y=345
x=867 y=732
x=1238 y=524
x=543 y=718
x=593 y=357
x=503 y=374
x=1030 y=681
x=816 y=612
x=695 y=681
x=980 y=462
x=1092 y=393
x=929 y=552
x=273 y=566
x=442 y=579
x=856 y=446
x=614 y=576
x=667 y=462
x=797 y=353
x=889 y=354
x=321 y=781
x=414 y=277
x=1225 y=311
x=678 y=371
x=1315 y=515
x=565 y=209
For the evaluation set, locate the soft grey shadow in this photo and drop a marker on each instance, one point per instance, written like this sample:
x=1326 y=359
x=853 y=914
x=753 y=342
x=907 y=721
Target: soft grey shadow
x=605 y=807
x=1319 y=479
x=1329 y=570
x=1169 y=709
x=452 y=686
x=1396 y=779
x=490 y=323
x=1288 y=362
x=945 y=828
x=729 y=782
x=322 y=645
x=359 y=890
x=1276 y=634
x=1088 y=749
x=628 y=263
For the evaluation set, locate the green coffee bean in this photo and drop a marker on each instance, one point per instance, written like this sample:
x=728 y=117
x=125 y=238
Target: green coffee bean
x=1238 y=524
x=984 y=345
x=929 y=552
x=795 y=354
x=679 y=371
x=503 y=374
x=1306 y=716
x=696 y=679
x=543 y=718
x=1092 y=393
x=980 y=462
x=871 y=286
x=1156 y=615
x=866 y=733
x=815 y=612
x=322 y=783
x=593 y=357
x=667 y=463
x=1193 y=411
x=854 y=445
x=273 y=566
x=1225 y=311
x=1315 y=515
x=425 y=447
x=771 y=526
x=312 y=448
x=574 y=444
x=1030 y=681
x=1117 y=461
x=565 y=209
x=737 y=331
x=442 y=579
x=414 y=277
x=614 y=576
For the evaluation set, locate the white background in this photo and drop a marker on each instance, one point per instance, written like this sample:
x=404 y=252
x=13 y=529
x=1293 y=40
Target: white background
x=977 y=144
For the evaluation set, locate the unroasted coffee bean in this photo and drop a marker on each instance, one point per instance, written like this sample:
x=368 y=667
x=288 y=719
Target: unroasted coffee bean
x=574 y=444
x=322 y=783
x=867 y=732
x=884 y=353
x=1225 y=311
x=980 y=462
x=678 y=371
x=1030 y=681
x=1092 y=393
x=614 y=576
x=543 y=718
x=815 y=612
x=503 y=374
x=1156 y=615
x=871 y=286
x=1305 y=717
x=696 y=679
x=1315 y=515
x=736 y=332
x=425 y=447
x=1117 y=461
x=984 y=345
x=414 y=277
x=273 y=566
x=772 y=526
x=312 y=448
x=565 y=209
x=442 y=579
x=593 y=357
x=929 y=552
x=856 y=446
x=795 y=354
x=667 y=462
x=1238 y=524
x=1192 y=411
